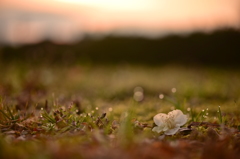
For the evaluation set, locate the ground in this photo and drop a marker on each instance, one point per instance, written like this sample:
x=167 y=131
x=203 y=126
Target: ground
x=106 y=111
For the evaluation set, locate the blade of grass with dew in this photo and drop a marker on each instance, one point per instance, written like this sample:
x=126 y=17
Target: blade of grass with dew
x=220 y=115
x=10 y=113
x=48 y=117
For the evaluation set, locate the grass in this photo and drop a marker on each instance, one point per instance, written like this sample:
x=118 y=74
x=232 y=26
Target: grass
x=83 y=111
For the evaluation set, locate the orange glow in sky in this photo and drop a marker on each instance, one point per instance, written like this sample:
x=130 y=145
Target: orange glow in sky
x=112 y=4
x=29 y=21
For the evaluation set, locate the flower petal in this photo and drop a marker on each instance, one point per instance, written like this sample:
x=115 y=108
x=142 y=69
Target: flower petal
x=159 y=119
x=179 y=118
x=172 y=131
x=158 y=129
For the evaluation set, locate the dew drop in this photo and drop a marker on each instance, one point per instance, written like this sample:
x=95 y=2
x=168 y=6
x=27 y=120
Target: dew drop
x=174 y=90
x=161 y=96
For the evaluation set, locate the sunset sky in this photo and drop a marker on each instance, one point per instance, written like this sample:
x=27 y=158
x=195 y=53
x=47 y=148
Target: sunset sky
x=31 y=21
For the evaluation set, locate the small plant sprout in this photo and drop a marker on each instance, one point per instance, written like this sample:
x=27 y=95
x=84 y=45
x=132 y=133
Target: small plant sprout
x=220 y=115
x=169 y=123
x=200 y=116
x=204 y=114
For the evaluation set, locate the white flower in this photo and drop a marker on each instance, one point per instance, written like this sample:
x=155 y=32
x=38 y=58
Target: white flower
x=169 y=123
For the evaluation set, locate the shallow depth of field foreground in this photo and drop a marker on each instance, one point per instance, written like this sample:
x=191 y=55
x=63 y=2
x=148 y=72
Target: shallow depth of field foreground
x=93 y=111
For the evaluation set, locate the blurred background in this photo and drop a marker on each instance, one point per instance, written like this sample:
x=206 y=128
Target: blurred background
x=104 y=50
x=127 y=31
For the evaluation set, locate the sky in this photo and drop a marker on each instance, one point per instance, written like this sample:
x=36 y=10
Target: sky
x=64 y=21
